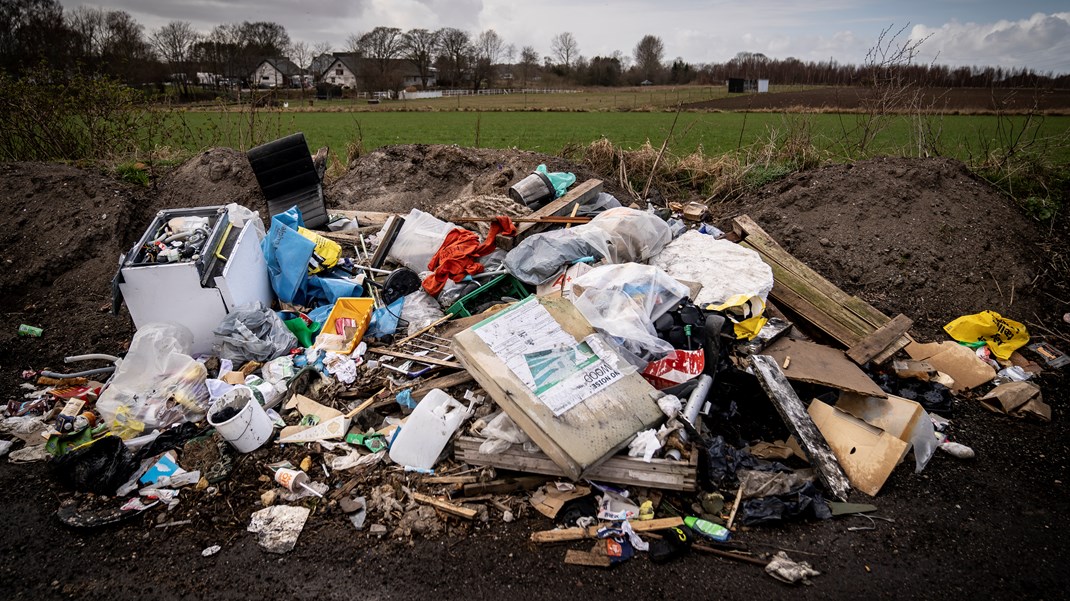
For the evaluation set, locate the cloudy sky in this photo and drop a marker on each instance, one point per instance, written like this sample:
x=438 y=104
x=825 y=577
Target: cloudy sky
x=1026 y=33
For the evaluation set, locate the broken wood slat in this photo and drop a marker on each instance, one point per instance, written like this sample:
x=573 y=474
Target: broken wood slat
x=364 y=218
x=795 y=416
x=567 y=534
x=348 y=236
x=630 y=471
x=880 y=339
x=569 y=219
x=470 y=479
x=586 y=558
x=900 y=344
x=457 y=379
x=445 y=507
x=784 y=279
x=578 y=194
x=504 y=486
x=812 y=314
x=765 y=245
x=401 y=355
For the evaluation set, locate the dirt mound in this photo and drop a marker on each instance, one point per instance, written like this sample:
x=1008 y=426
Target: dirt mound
x=400 y=178
x=922 y=237
x=214 y=177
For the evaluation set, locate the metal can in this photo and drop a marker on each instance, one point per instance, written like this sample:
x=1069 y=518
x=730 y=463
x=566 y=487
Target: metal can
x=25 y=330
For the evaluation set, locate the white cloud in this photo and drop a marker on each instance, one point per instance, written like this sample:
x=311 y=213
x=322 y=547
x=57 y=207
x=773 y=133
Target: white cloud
x=1041 y=42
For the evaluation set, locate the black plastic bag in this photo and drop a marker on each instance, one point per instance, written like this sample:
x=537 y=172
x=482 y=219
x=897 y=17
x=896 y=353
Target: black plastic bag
x=804 y=502
x=722 y=461
x=101 y=468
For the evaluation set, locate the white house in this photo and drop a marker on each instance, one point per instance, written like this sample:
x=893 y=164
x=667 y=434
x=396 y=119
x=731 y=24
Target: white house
x=349 y=70
x=275 y=73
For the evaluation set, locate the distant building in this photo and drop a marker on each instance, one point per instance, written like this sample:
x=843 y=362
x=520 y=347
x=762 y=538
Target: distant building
x=738 y=85
x=276 y=73
x=352 y=71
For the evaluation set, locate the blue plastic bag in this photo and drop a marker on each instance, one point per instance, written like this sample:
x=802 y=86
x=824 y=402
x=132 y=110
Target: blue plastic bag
x=560 y=180
x=287 y=254
x=385 y=320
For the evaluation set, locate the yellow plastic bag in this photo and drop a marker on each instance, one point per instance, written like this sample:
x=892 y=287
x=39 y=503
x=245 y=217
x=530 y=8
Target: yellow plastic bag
x=745 y=311
x=326 y=253
x=1003 y=336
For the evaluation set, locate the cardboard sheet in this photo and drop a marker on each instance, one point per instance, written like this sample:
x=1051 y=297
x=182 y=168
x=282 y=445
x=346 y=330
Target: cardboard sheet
x=866 y=453
x=818 y=364
x=955 y=360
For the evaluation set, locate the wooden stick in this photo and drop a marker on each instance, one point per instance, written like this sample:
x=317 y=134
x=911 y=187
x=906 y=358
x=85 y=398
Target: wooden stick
x=364 y=405
x=400 y=355
x=735 y=505
x=586 y=558
x=434 y=324
x=729 y=555
x=567 y=534
x=572 y=215
x=445 y=507
x=545 y=219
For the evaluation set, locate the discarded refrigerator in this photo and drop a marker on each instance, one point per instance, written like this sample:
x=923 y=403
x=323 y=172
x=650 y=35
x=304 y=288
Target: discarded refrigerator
x=192 y=267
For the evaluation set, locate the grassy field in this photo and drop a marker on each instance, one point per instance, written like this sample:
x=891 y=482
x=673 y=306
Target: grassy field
x=961 y=136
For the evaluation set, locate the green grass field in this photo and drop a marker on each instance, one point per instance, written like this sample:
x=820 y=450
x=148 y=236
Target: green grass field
x=961 y=136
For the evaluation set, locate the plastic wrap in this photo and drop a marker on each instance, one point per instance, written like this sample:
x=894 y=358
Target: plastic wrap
x=635 y=235
x=252 y=333
x=418 y=240
x=157 y=384
x=724 y=269
x=650 y=287
x=419 y=311
x=624 y=320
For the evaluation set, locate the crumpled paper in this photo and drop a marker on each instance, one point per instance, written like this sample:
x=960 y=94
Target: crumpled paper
x=277 y=527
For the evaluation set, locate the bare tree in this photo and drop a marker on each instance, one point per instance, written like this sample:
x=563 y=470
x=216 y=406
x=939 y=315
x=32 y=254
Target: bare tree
x=87 y=23
x=565 y=49
x=649 y=53
x=455 y=50
x=320 y=48
x=174 y=43
x=419 y=47
x=381 y=46
x=353 y=43
x=486 y=54
x=529 y=63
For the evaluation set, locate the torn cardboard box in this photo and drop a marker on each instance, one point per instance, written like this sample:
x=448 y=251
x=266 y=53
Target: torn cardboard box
x=1018 y=399
x=866 y=453
x=955 y=360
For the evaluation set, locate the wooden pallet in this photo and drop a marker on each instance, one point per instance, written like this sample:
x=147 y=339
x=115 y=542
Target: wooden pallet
x=618 y=469
x=847 y=319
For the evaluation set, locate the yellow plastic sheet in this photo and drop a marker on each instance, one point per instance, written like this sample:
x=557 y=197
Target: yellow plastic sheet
x=745 y=311
x=1003 y=336
x=328 y=251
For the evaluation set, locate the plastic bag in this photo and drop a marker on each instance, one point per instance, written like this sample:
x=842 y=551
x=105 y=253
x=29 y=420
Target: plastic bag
x=157 y=384
x=100 y=468
x=326 y=253
x=625 y=321
x=418 y=240
x=650 y=287
x=419 y=311
x=597 y=204
x=539 y=258
x=501 y=433
x=238 y=215
x=288 y=253
x=385 y=320
x=252 y=333
x=1003 y=336
x=724 y=269
x=635 y=236
x=560 y=180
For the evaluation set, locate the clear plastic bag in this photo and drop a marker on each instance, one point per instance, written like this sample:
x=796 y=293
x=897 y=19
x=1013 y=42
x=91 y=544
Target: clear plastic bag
x=653 y=289
x=539 y=258
x=627 y=323
x=158 y=384
x=501 y=433
x=419 y=239
x=635 y=235
x=419 y=311
x=252 y=333
x=723 y=268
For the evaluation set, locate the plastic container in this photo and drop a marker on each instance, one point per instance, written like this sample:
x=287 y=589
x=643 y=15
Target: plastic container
x=357 y=308
x=707 y=529
x=534 y=190
x=501 y=286
x=421 y=439
x=247 y=430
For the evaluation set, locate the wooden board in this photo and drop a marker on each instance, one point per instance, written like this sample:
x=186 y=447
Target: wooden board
x=618 y=469
x=445 y=506
x=364 y=218
x=871 y=346
x=586 y=558
x=847 y=319
x=824 y=365
x=568 y=534
x=794 y=414
x=411 y=357
x=583 y=436
x=561 y=206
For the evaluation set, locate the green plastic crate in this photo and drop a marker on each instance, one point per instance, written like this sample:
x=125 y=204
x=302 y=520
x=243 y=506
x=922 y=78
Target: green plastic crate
x=503 y=285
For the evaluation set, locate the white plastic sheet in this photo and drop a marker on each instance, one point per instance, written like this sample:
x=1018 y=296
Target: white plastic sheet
x=724 y=269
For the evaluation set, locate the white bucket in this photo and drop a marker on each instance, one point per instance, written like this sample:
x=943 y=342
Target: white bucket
x=250 y=428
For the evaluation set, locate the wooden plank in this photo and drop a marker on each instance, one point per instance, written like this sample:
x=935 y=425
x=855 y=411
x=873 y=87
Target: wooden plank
x=363 y=218
x=568 y=534
x=880 y=339
x=901 y=343
x=812 y=314
x=469 y=479
x=586 y=434
x=587 y=559
x=400 y=355
x=578 y=194
x=504 y=486
x=445 y=507
x=823 y=365
x=630 y=471
x=457 y=379
x=794 y=414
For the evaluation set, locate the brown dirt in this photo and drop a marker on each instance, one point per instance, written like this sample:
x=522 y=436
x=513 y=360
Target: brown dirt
x=964 y=100
x=992 y=527
x=922 y=237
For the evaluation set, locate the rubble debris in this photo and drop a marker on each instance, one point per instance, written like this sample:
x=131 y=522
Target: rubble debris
x=784 y=569
x=278 y=527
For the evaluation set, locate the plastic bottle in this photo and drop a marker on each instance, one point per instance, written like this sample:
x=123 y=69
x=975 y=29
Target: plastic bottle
x=420 y=441
x=707 y=529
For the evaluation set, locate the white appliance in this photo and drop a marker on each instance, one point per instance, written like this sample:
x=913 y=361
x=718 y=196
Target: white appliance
x=226 y=270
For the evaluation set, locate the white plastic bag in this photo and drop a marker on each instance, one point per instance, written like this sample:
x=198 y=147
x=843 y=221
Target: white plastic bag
x=625 y=321
x=420 y=310
x=501 y=433
x=650 y=287
x=419 y=239
x=635 y=235
x=158 y=384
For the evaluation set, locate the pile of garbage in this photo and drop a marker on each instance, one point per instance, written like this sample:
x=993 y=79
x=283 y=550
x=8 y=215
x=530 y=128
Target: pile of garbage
x=593 y=362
